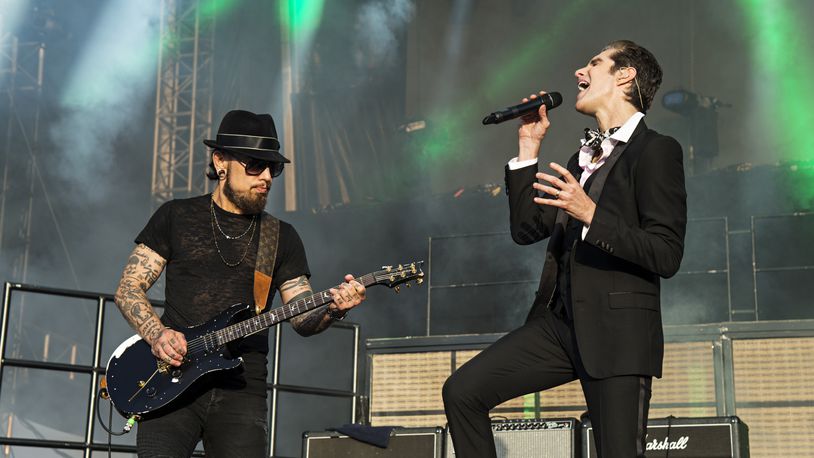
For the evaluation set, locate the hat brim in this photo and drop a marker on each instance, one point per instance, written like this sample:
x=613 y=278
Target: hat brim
x=263 y=154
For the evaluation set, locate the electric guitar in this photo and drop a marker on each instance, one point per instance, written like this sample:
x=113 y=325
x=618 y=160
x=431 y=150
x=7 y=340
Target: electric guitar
x=140 y=384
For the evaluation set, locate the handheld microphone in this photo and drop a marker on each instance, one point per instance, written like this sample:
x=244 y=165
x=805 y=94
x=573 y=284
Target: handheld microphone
x=551 y=100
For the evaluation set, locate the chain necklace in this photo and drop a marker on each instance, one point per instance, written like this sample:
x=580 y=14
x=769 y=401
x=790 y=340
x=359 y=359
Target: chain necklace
x=252 y=226
x=229 y=237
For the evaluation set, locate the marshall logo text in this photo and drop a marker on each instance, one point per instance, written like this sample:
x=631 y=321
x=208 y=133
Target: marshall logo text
x=680 y=444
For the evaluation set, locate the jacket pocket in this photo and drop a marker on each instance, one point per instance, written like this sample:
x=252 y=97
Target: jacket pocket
x=631 y=300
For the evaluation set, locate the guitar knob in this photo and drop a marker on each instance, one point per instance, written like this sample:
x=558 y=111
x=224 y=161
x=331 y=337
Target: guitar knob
x=176 y=373
x=150 y=392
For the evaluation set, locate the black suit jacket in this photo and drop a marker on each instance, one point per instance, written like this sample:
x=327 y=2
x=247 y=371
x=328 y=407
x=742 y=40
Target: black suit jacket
x=636 y=237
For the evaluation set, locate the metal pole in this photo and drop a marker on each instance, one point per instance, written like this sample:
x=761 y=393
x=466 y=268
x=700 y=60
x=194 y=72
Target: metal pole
x=94 y=378
x=754 y=268
x=429 y=281
x=355 y=373
x=288 y=73
x=194 y=103
x=275 y=380
x=4 y=328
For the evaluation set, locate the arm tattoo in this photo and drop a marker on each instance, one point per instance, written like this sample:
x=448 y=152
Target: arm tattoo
x=312 y=322
x=142 y=270
x=297 y=282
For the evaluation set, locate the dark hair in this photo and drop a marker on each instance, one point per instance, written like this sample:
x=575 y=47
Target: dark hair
x=648 y=71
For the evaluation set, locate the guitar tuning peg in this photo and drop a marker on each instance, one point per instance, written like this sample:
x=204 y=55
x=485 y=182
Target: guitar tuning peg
x=408 y=285
x=392 y=278
x=401 y=267
x=397 y=288
x=403 y=274
x=420 y=280
x=387 y=268
x=412 y=267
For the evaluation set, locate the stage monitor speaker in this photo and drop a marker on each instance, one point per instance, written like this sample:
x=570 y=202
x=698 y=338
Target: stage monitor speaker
x=405 y=443
x=554 y=437
x=704 y=437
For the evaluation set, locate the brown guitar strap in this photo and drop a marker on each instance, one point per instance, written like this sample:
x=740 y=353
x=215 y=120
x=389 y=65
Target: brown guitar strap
x=266 y=255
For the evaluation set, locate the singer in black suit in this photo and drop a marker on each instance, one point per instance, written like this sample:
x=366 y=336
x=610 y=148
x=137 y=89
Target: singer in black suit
x=615 y=219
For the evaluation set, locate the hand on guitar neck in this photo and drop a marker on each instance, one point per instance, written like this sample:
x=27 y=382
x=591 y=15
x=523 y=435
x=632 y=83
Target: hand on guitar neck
x=347 y=296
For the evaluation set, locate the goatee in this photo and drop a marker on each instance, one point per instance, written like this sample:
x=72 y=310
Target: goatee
x=247 y=201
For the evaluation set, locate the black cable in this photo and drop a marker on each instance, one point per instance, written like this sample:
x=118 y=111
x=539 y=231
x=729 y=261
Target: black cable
x=110 y=436
x=99 y=417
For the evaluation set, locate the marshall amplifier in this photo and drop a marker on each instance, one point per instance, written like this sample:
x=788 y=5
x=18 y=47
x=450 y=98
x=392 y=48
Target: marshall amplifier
x=554 y=437
x=404 y=443
x=707 y=437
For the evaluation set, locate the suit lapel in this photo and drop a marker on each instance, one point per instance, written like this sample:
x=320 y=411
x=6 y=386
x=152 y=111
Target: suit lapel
x=602 y=173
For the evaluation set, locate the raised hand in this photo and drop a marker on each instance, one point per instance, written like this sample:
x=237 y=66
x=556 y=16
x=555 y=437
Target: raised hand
x=531 y=131
x=568 y=194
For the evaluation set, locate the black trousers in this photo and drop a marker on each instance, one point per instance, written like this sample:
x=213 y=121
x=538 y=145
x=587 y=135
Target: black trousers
x=542 y=354
x=229 y=414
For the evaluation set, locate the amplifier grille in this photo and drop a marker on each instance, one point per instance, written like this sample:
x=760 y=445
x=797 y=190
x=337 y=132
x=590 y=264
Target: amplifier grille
x=775 y=395
x=531 y=438
x=406 y=388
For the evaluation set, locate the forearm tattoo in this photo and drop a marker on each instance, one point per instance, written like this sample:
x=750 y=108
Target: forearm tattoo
x=312 y=322
x=142 y=270
x=291 y=285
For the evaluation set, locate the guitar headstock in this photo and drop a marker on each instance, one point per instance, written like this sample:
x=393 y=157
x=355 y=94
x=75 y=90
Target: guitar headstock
x=395 y=276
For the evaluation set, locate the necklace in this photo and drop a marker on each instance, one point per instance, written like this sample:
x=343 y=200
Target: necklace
x=252 y=226
x=229 y=237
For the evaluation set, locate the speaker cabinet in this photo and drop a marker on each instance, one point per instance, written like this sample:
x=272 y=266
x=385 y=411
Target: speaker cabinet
x=404 y=443
x=555 y=437
x=706 y=437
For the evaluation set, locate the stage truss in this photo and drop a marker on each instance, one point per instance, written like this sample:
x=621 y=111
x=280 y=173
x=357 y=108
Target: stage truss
x=21 y=82
x=183 y=113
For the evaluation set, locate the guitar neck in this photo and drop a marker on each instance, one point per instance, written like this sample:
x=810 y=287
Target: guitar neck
x=274 y=316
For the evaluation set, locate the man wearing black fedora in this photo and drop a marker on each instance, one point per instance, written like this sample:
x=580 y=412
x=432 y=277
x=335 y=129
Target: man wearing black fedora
x=215 y=248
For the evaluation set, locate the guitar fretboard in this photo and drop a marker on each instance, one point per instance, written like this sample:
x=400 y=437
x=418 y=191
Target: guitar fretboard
x=274 y=316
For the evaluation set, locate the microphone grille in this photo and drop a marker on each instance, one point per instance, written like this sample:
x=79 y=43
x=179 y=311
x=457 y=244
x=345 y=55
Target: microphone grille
x=556 y=99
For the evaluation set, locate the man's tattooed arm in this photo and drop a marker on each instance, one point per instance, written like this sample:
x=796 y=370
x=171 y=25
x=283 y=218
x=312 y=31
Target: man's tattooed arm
x=308 y=323
x=142 y=270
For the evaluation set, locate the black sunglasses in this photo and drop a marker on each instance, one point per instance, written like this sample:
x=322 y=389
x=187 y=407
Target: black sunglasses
x=255 y=166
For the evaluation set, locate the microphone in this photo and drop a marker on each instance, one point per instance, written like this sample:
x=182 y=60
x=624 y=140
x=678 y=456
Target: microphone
x=551 y=100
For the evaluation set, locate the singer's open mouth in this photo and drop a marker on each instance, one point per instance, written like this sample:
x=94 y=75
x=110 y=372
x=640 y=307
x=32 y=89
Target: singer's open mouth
x=582 y=85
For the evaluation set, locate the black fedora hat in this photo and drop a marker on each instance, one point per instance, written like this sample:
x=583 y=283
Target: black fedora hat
x=249 y=134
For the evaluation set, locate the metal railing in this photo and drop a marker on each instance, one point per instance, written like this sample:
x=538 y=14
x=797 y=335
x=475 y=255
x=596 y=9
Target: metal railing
x=96 y=370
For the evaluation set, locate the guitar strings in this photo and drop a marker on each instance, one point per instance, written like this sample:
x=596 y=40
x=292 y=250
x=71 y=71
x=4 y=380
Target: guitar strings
x=199 y=343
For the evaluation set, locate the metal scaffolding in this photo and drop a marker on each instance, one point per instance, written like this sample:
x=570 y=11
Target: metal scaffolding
x=183 y=113
x=21 y=77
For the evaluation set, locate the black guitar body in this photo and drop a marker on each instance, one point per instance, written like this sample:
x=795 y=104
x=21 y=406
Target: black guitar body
x=133 y=365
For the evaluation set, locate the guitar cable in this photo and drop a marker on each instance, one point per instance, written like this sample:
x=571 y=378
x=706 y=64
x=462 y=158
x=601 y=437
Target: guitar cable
x=128 y=426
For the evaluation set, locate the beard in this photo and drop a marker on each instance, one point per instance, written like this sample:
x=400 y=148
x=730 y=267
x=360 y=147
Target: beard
x=247 y=201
